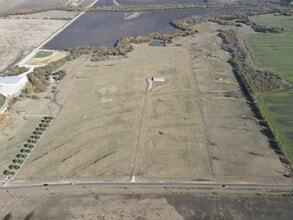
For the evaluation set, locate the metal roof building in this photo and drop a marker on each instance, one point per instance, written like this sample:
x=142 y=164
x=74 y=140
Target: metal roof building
x=12 y=85
x=158 y=79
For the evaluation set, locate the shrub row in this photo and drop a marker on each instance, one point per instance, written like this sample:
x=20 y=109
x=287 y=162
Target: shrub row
x=255 y=80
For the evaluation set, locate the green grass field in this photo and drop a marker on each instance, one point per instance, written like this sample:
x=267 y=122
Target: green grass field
x=274 y=52
x=42 y=54
x=281 y=21
x=2 y=100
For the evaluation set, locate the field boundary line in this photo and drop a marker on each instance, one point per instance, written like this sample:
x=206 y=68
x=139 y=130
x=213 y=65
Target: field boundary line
x=198 y=101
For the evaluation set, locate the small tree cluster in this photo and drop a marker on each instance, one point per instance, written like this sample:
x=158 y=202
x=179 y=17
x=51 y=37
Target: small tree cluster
x=16 y=70
x=59 y=75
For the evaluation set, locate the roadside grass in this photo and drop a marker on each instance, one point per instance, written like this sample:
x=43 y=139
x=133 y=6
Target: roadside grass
x=2 y=100
x=274 y=52
x=42 y=54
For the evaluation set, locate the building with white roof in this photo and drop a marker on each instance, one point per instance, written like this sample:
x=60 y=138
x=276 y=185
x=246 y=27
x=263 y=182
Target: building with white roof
x=12 y=85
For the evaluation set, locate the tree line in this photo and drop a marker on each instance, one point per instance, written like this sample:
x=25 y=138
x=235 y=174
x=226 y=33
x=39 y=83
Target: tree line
x=255 y=80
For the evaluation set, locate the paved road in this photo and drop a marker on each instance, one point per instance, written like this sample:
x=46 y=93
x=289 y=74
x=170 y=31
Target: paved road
x=236 y=186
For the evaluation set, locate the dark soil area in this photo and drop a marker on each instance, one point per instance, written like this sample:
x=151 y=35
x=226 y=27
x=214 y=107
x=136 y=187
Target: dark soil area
x=103 y=29
x=146 y=2
x=89 y=204
x=232 y=207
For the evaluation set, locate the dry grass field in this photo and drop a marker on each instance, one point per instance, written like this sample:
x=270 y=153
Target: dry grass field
x=237 y=145
x=19 y=36
x=14 y=132
x=110 y=127
x=10 y=5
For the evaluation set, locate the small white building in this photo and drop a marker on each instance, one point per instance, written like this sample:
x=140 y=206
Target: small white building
x=12 y=85
x=158 y=79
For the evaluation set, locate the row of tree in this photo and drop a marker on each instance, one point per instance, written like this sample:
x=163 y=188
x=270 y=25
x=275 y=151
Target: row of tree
x=27 y=147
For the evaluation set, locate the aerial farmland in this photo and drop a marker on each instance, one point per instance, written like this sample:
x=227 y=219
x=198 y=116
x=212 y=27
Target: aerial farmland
x=118 y=122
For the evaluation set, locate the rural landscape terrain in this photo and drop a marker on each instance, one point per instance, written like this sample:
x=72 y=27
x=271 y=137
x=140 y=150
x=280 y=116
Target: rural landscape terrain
x=146 y=109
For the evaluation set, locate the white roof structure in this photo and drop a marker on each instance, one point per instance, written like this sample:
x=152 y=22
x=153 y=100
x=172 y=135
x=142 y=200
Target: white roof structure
x=12 y=85
x=10 y=80
x=158 y=79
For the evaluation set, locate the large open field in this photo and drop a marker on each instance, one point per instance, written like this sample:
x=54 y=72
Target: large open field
x=105 y=28
x=19 y=36
x=274 y=52
x=142 y=2
x=139 y=203
x=8 y=5
x=111 y=127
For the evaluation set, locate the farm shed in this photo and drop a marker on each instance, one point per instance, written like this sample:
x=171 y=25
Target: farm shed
x=12 y=85
x=158 y=79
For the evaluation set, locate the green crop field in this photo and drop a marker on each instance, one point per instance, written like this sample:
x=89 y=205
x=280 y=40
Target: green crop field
x=274 y=52
x=281 y=21
x=2 y=100
x=42 y=54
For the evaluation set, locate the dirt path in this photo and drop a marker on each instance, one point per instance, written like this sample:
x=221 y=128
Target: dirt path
x=141 y=128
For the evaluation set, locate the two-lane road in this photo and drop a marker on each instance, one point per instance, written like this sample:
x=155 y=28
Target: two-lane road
x=235 y=186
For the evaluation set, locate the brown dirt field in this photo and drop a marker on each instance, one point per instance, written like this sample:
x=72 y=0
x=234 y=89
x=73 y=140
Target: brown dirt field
x=57 y=55
x=19 y=36
x=138 y=203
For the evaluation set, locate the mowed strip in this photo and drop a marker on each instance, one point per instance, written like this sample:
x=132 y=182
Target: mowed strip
x=95 y=135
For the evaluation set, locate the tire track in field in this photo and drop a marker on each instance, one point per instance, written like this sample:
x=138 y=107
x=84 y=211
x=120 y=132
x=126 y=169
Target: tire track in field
x=141 y=133
x=198 y=101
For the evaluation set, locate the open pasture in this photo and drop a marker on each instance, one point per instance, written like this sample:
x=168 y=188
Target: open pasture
x=112 y=125
x=111 y=128
x=278 y=109
x=277 y=21
x=274 y=52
